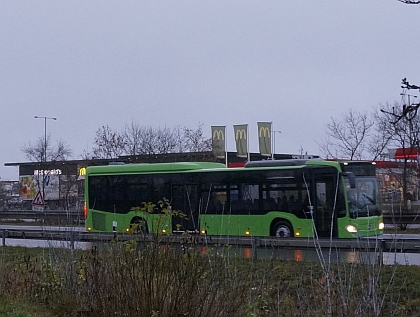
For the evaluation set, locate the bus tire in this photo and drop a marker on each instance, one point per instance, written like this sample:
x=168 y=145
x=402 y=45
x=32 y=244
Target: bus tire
x=139 y=225
x=282 y=229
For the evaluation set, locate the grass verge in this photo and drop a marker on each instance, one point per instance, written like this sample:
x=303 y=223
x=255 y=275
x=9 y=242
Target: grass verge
x=137 y=279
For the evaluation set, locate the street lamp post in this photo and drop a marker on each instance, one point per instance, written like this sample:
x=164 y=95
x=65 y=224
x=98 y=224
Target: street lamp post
x=44 y=159
x=274 y=143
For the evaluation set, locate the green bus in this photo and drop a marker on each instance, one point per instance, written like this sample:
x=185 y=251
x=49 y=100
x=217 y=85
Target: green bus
x=279 y=198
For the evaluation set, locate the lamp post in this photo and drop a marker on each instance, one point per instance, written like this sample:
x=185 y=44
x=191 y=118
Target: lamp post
x=45 y=150
x=274 y=143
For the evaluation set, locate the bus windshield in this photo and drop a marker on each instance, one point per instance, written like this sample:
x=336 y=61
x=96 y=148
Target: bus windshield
x=364 y=200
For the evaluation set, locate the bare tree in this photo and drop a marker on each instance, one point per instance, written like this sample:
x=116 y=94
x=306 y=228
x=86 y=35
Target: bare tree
x=195 y=140
x=347 y=137
x=180 y=146
x=109 y=143
x=356 y=136
x=404 y=133
x=42 y=152
x=382 y=136
x=132 y=135
x=86 y=155
x=135 y=140
x=44 y=149
x=167 y=140
x=149 y=141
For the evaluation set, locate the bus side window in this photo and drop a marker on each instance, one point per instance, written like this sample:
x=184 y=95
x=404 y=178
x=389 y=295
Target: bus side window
x=161 y=190
x=283 y=203
x=213 y=199
x=293 y=204
x=216 y=205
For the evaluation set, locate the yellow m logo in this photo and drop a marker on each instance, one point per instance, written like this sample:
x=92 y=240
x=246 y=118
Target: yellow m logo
x=218 y=135
x=264 y=132
x=240 y=134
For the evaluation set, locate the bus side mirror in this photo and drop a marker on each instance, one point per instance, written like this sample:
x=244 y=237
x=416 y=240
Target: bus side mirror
x=350 y=176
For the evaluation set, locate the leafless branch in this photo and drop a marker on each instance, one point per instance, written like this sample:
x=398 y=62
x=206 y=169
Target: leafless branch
x=409 y=1
x=347 y=137
x=43 y=149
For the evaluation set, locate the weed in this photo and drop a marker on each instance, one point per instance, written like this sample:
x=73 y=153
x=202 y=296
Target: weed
x=154 y=279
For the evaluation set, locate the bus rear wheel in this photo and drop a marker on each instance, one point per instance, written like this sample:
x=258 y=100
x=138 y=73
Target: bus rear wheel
x=138 y=225
x=282 y=229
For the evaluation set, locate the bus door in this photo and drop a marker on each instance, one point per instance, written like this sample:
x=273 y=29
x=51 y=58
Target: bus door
x=185 y=204
x=324 y=202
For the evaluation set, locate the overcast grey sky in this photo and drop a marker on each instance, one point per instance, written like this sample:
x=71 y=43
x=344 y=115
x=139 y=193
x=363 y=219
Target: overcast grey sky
x=169 y=63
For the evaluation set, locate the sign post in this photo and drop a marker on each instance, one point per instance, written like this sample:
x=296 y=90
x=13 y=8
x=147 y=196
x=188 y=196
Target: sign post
x=38 y=203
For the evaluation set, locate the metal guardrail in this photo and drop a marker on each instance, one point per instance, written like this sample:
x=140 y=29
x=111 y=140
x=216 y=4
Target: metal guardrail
x=401 y=218
x=19 y=212
x=75 y=217
x=378 y=245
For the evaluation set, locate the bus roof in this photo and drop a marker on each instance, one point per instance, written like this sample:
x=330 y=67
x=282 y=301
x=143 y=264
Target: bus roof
x=272 y=163
x=293 y=162
x=150 y=168
x=153 y=167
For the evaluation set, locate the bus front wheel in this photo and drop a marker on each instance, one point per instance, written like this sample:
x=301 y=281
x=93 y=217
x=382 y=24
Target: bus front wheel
x=282 y=229
x=139 y=225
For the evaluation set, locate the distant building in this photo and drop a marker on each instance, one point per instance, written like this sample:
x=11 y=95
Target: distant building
x=390 y=174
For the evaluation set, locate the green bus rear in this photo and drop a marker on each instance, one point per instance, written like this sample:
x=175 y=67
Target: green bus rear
x=290 y=198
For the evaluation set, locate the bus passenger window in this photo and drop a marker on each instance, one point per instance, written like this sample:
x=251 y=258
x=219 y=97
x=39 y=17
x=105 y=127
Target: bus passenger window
x=213 y=199
x=283 y=204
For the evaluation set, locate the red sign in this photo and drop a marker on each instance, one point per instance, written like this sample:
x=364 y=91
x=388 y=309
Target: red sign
x=408 y=153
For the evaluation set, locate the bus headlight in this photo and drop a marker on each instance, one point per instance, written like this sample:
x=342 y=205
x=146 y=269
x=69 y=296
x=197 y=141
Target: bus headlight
x=351 y=229
x=381 y=226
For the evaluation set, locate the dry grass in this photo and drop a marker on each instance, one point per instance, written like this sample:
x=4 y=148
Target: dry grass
x=136 y=279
